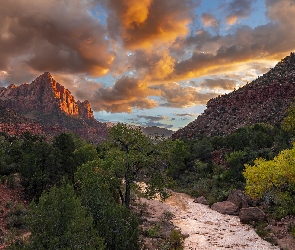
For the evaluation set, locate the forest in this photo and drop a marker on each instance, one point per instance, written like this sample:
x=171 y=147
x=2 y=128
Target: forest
x=82 y=196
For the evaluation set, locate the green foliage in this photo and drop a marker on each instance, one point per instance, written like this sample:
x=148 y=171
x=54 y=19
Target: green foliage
x=99 y=193
x=202 y=149
x=200 y=176
x=39 y=166
x=40 y=163
x=130 y=155
x=288 y=123
x=16 y=217
x=65 y=146
x=174 y=242
x=177 y=157
x=153 y=231
x=264 y=232
x=257 y=136
x=236 y=161
x=59 y=221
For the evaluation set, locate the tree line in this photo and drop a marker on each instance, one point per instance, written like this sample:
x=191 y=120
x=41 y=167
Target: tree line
x=81 y=194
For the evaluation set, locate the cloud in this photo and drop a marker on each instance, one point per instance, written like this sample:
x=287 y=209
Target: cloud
x=215 y=54
x=186 y=114
x=153 y=118
x=156 y=65
x=148 y=23
x=52 y=36
x=238 y=9
x=180 y=97
x=147 y=45
x=209 y=20
x=150 y=121
x=126 y=94
x=226 y=84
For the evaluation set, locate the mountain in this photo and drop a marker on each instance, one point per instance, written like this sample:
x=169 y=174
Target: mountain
x=263 y=100
x=46 y=107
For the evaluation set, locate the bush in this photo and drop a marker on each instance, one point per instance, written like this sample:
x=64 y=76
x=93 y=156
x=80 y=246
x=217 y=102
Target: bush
x=174 y=242
x=59 y=221
x=16 y=217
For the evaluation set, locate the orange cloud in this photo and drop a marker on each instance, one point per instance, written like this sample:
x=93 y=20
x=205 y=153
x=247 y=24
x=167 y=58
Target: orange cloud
x=221 y=54
x=50 y=36
x=231 y=20
x=164 y=66
x=180 y=97
x=148 y=23
x=126 y=94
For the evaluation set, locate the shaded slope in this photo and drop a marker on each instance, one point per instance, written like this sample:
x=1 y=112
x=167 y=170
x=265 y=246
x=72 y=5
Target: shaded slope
x=263 y=100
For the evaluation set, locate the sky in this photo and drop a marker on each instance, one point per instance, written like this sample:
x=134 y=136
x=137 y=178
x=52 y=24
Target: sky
x=144 y=62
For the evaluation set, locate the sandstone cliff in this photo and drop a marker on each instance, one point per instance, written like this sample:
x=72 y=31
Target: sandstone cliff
x=51 y=107
x=263 y=100
x=43 y=95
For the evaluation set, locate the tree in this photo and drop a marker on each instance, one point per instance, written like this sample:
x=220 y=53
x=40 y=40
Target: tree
x=265 y=175
x=274 y=181
x=133 y=157
x=115 y=223
x=288 y=123
x=73 y=151
x=65 y=144
x=59 y=221
x=177 y=156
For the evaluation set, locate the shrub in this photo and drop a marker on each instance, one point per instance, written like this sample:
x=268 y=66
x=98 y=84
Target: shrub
x=59 y=221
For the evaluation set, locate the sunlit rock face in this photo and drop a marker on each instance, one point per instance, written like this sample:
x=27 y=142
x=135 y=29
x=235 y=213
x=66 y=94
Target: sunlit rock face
x=46 y=95
x=263 y=100
x=51 y=105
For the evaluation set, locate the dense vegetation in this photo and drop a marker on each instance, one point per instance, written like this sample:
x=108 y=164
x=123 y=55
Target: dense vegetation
x=73 y=185
x=81 y=195
x=213 y=166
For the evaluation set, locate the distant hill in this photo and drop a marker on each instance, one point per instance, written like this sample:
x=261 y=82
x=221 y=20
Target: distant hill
x=156 y=130
x=263 y=100
x=46 y=107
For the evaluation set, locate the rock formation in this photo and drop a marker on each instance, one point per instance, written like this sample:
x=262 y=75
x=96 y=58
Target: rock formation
x=263 y=100
x=47 y=107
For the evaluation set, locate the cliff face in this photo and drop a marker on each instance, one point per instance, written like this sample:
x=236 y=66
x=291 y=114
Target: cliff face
x=52 y=107
x=44 y=95
x=263 y=100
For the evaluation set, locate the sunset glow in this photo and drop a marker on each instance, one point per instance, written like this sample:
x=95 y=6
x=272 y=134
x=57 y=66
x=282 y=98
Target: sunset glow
x=147 y=62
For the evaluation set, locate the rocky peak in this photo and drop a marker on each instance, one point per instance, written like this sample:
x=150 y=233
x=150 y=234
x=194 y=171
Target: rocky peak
x=44 y=95
x=47 y=103
x=263 y=100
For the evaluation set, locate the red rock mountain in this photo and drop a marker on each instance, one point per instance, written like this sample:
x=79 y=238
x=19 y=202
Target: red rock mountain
x=263 y=100
x=46 y=107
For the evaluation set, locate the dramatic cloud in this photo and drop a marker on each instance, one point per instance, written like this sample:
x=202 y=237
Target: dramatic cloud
x=177 y=96
x=156 y=65
x=150 y=52
x=219 y=54
x=209 y=20
x=225 y=84
x=52 y=36
x=126 y=94
x=147 y=23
